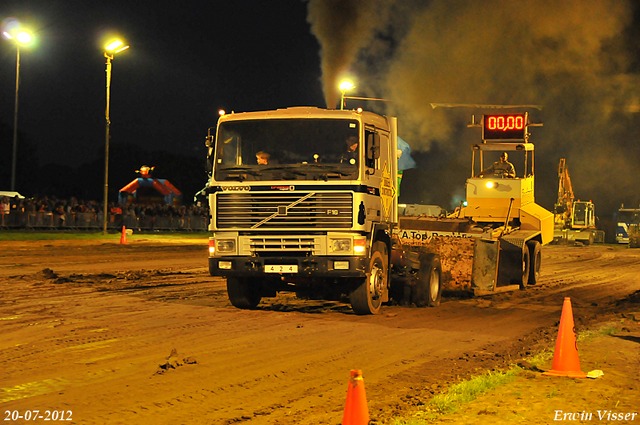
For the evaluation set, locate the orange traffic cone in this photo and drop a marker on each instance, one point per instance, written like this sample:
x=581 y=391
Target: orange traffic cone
x=356 y=411
x=123 y=236
x=565 y=359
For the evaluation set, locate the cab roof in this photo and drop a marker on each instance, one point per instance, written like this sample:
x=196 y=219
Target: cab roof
x=367 y=117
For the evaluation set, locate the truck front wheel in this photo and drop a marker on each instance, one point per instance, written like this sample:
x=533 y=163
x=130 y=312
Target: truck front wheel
x=367 y=297
x=243 y=292
x=428 y=288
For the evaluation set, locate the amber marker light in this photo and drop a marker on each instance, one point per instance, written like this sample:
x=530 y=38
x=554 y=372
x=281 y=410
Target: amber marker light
x=359 y=245
x=221 y=112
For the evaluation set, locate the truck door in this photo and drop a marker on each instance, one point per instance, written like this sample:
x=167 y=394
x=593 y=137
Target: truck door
x=379 y=170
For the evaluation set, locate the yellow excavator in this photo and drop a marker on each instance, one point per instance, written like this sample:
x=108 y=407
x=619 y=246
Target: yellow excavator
x=574 y=220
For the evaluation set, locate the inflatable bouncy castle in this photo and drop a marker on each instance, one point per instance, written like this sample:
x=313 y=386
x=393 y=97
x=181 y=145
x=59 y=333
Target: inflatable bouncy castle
x=148 y=190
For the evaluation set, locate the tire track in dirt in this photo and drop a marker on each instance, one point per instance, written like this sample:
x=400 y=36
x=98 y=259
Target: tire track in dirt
x=287 y=362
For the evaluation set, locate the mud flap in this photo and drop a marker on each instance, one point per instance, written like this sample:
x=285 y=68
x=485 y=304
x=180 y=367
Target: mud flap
x=484 y=274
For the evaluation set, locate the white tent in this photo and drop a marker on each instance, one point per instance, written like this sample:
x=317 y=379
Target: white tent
x=10 y=194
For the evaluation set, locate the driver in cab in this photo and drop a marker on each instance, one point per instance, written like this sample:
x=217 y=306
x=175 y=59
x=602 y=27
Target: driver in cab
x=351 y=153
x=502 y=168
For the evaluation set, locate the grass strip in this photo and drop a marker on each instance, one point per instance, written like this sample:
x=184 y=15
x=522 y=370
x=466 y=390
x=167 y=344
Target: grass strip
x=12 y=235
x=450 y=400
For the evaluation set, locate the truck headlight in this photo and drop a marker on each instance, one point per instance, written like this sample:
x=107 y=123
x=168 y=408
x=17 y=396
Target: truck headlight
x=340 y=245
x=225 y=245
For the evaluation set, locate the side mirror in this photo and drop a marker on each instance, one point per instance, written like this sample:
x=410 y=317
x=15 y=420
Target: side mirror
x=208 y=141
x=373 y=146
x=210 y=157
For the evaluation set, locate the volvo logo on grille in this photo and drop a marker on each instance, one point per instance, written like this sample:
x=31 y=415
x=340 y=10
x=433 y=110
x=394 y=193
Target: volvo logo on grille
x=235 y=188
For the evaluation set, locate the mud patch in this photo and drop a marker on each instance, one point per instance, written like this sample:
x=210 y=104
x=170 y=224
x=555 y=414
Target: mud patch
x=173 y=362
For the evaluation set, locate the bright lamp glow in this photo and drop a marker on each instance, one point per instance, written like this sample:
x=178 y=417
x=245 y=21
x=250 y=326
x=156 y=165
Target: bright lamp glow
x=489 y=185
x=116 y=46
x=113 y=45
x=24 y=37
x=347 y=85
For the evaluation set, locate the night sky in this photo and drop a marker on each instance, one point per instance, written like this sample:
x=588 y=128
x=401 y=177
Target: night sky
x=184 y=64
x=579 y=59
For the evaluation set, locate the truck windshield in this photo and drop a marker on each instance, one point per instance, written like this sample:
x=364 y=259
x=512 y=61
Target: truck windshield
x=287 y=149
x=629 y=216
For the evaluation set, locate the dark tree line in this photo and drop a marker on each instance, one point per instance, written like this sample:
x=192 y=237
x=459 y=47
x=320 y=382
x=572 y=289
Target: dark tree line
x=86 y=180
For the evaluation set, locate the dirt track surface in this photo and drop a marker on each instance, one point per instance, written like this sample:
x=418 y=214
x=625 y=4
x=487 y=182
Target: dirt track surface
x=141 y=334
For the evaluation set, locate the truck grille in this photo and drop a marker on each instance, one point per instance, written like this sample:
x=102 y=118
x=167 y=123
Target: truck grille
x=279 y=244
x=326 y=210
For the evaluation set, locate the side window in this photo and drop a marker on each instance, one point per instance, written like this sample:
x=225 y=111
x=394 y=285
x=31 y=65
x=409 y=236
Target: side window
x=372 y=148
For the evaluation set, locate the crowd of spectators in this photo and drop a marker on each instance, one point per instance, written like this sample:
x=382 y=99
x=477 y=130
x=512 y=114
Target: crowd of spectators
x=51 y=212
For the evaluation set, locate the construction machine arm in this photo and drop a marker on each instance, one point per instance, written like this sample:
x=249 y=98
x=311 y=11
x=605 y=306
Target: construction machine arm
x=564 y=204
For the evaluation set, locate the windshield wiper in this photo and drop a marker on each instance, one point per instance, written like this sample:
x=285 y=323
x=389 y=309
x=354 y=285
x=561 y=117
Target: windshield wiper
x=247 y=170
x=288 y=168
x=332 y=169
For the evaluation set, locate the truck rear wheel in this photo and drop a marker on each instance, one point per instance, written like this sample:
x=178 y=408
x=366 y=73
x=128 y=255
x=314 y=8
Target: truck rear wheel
x=535 y=258
x=428 y=288
x=367 y=297
x=243 y=292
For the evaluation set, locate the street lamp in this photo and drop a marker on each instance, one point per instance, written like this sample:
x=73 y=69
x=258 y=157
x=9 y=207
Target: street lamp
x=19 y=38
x=344 y=86
x=111 y=49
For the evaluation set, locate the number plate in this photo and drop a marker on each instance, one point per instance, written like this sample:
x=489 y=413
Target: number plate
x=280 y=269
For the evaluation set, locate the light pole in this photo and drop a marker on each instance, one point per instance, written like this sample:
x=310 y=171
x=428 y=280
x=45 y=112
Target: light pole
x=24 y=38
x=344 y=86
x=110 y=50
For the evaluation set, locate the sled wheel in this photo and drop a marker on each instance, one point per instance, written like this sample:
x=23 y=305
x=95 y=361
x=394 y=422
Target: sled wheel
x=535 y=258
x=525 y=268
x=428 y=288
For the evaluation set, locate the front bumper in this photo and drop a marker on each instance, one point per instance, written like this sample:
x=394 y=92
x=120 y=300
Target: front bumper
x=321 y=267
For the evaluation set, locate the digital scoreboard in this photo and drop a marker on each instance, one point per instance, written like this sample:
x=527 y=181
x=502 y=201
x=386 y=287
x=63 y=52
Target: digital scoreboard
x=504 y=127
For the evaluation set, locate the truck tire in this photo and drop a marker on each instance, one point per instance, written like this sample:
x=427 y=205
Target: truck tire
x=428 y=288
x=535 y=258
x=243 y=293
x=367 y=297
